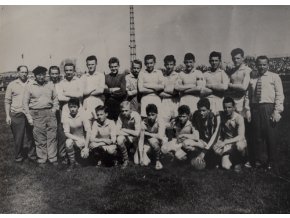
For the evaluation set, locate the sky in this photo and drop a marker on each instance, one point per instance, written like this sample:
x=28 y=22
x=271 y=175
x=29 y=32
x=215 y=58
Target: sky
x=60 y=32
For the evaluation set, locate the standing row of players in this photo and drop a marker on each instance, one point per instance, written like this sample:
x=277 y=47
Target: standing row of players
x=258 y=96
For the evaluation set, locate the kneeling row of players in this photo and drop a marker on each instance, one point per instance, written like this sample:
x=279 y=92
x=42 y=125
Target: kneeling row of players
x=203 y=138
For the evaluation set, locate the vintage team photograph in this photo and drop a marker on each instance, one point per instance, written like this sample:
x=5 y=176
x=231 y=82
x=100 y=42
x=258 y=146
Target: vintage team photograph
x=144 y=109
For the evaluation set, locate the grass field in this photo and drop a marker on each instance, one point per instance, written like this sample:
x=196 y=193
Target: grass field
x=25 y=188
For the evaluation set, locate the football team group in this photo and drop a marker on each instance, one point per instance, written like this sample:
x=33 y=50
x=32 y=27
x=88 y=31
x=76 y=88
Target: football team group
x=211 y=119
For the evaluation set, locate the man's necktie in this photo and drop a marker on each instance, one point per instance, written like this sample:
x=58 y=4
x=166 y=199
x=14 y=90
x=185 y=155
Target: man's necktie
x=259 y=89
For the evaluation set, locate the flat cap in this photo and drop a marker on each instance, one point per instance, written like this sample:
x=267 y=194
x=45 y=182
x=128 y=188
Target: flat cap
x=39 y=70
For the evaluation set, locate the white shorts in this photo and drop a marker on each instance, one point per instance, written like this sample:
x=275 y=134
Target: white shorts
x=169 y=108
x=216 y=104
x=190 y=101
x=91 y=103
x=150 y=99
x=173 y=146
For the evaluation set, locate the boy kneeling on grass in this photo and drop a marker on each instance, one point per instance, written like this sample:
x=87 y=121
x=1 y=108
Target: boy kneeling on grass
x=186 y=137
x=151 y=136
x=128 y=131
x=231 y=145
x=103 y=135
x=77 y=130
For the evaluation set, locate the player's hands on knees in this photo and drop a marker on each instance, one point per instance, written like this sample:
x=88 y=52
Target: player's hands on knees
x=8 y=120
x=85 y=152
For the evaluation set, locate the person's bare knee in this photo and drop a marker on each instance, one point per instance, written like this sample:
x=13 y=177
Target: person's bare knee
x=121 y=140
x=69 y=143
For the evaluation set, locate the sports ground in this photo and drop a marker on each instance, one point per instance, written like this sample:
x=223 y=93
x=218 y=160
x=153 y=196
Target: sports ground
x=26 y=188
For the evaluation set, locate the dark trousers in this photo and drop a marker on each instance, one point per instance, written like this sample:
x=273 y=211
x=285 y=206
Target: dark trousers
x=44 y=134
x=264 y=133
x=61 y=138
x=113 y=108
x=20 y=127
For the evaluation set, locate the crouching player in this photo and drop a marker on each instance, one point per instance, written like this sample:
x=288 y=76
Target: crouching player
x=77 y=130
x=151 y=136
x=186 y=137
x=128 y=131
x=103 y=135
x=208 y=126
x=231 y=145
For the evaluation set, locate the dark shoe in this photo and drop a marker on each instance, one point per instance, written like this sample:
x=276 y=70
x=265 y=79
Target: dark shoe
x=42 y=165
x=124 y=164
x=238 y=168
x=64 y=161
x=55 y=164
x=99 y=164
x=71 y=167
x=258 y=164
x=31 y=160
x=115 y=163
x=248 y=165
x=18 y=160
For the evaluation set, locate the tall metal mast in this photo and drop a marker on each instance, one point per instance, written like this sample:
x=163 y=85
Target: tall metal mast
x=132 y=35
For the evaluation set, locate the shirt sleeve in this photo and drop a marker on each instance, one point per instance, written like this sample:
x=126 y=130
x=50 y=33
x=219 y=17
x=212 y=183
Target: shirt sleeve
x=160 y=78
x=225 y=80
x=101 y=83
x=25 y=102
x=86 y=124
x=140 y=81
x=113 y=131
x=119 y=124
x=279 y=95
x=137 y=122
x=66 y=126
x=241 y=127
x=8 y=94
x=161 y=129
x=54 y=99
x=94 y=129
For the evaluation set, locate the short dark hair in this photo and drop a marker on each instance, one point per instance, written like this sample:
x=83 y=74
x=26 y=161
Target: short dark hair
x=19 y=67
x=39 y=70
x=92 y=58
x=69 y=64
x=229 y=100
x=203 y=102
x=237 y=51
x=74 y=101
x=215 y=54
x=149 y=56
x=262 y=57
x=101 y=108
x=113 y=60
x=184 y=109
x=137 y=61
x=169 y=58
x=53 y=68
x=151 y=108
x=189 y=56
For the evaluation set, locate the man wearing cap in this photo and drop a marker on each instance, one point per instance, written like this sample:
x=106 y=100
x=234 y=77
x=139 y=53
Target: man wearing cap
x=15 y=117
x=40 y=104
